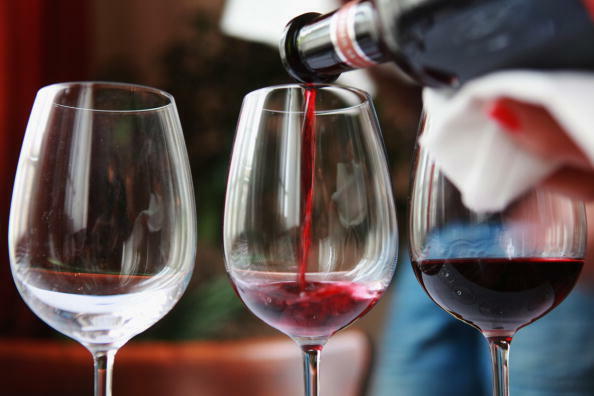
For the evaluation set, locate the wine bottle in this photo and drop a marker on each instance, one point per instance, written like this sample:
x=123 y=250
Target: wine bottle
x=441 y=42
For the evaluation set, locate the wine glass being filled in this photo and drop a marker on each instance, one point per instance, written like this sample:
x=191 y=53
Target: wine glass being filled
x=310 y=228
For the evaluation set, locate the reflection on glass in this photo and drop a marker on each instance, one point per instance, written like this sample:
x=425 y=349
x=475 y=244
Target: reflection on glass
x=310 y=228
x=102 y=224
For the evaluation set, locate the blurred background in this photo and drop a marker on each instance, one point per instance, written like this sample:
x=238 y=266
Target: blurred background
x=178 y=46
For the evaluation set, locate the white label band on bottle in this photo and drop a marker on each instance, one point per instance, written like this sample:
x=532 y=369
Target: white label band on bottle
x=342 y=33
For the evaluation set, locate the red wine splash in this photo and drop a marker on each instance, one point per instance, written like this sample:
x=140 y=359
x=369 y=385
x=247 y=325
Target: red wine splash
x=498 y=295
x=308 y=158
x=314 y=309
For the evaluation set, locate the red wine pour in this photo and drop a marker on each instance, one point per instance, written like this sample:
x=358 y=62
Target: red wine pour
x=308 y=158
x=441 y=42
x=315 y=309
x=497 y=295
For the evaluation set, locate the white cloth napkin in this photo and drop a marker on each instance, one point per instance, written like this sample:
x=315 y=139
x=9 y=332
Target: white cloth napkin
x=478 y=157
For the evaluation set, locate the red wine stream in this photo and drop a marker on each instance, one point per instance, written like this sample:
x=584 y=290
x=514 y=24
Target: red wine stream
x=308 y=158
x=307 y=308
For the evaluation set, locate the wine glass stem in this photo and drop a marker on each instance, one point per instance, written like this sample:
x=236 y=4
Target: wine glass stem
x=499 y=347
x=103 y=371
x=311 y=363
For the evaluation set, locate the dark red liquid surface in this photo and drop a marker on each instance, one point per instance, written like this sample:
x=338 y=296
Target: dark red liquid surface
x=316 y=309
x=498 y=295
x=308 y=158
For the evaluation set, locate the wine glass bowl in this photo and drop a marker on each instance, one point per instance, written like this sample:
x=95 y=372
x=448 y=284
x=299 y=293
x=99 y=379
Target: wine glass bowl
x=497 y=271
x=310 y=228
x=309 y=314
x=102 y=226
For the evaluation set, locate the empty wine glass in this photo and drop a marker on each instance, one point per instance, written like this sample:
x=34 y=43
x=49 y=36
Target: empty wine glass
x=497 y=272
x=102 y=228
x=310 y=228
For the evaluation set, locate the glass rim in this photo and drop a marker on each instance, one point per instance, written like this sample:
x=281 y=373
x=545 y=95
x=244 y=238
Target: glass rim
x=56 y=87
x=362 y=95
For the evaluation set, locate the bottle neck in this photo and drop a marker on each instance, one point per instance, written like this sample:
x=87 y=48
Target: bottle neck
x=319 y=48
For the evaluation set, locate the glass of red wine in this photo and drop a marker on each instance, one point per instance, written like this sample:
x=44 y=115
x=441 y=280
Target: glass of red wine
x=310 y=229
x=102 y=232
x=497 y=272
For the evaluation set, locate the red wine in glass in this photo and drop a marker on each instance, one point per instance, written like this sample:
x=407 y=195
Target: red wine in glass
x=304 y=255
x=304 y=308
x=313 y=310
x=498 y=295
x=496 y=271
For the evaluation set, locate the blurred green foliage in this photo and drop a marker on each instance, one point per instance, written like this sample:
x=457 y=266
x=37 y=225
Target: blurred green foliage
x=209 y=74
